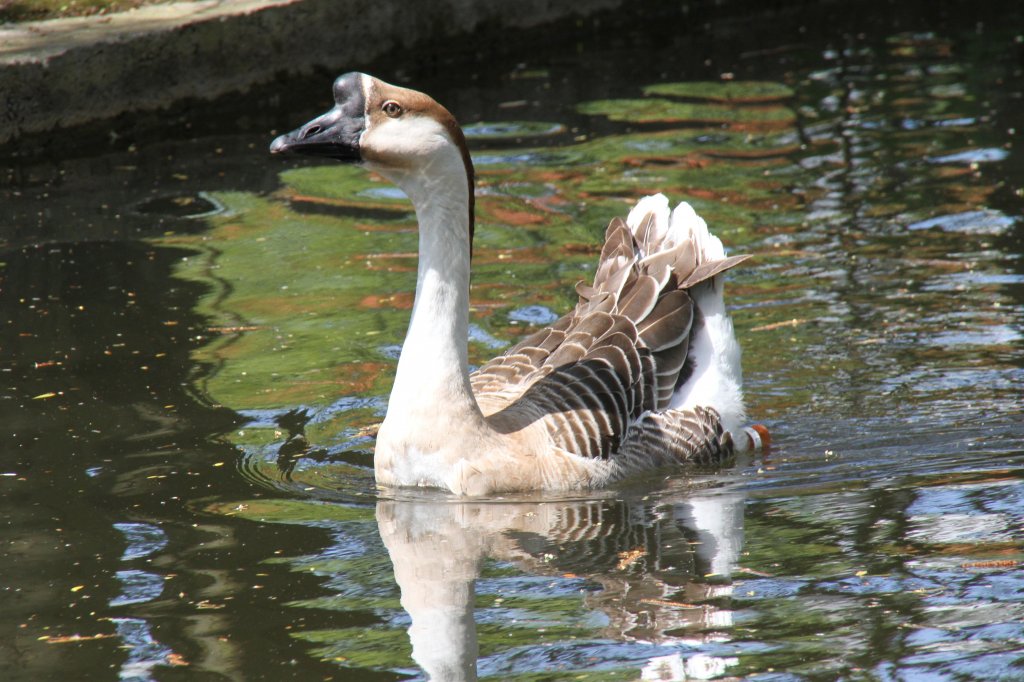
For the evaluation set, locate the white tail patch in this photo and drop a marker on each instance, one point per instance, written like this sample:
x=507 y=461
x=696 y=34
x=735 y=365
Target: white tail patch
x=656 y=205
x=687 y=225
x=675 y=227
x=717 y=379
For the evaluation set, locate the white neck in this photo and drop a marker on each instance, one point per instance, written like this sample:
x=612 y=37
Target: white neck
x=433 y=370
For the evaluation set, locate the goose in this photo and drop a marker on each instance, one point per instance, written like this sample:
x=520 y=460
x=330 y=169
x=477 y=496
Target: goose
x=643 y=373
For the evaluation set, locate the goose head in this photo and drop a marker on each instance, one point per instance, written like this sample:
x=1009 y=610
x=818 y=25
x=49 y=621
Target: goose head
x=399 y=133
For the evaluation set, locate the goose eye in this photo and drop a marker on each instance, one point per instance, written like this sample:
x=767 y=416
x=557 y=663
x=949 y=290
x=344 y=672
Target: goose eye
x=392 y=108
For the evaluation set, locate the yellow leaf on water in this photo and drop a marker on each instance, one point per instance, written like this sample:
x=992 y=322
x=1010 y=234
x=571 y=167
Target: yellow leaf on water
x=176 y=659
x=44 y=396
x=629 y=557
x=73 y=638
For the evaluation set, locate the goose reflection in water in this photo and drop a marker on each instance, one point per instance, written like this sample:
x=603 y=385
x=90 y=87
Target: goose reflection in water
x=659 y=568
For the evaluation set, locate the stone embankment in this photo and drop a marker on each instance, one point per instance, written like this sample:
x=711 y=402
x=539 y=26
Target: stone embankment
x=68 y=72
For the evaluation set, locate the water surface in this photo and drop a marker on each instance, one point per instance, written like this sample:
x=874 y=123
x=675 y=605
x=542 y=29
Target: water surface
x=199 y=340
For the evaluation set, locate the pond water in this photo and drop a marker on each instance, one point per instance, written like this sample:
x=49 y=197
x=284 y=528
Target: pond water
x=198 y=340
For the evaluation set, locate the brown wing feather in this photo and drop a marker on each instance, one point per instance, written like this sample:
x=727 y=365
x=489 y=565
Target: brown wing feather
x=598 y=376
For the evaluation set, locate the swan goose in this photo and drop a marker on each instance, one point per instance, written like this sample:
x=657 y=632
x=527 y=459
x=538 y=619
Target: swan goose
x=644 y=372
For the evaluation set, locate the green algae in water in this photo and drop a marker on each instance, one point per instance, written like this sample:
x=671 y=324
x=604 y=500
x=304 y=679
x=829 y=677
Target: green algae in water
x=292 y=511
x=342 y=182
x=511 y=130
x=656 y=110
x=738 y=92
x=285 y=292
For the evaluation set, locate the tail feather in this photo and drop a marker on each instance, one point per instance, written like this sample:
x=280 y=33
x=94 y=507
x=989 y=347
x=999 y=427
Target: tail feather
x=688 y=226
x=716 y=377
x=650 y=237
x=678 y=241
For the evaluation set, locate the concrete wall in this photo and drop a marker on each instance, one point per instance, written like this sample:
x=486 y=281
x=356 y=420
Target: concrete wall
x=67 y=72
